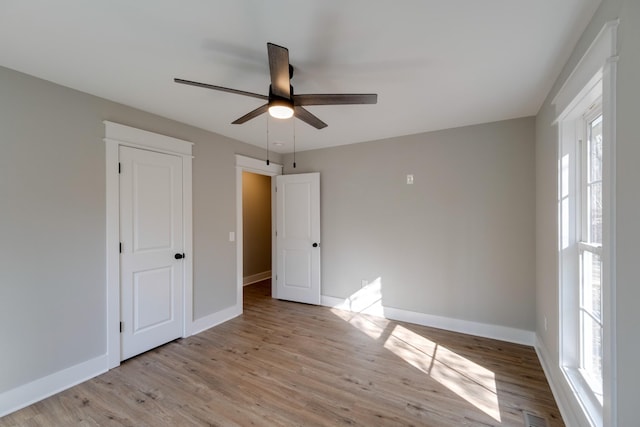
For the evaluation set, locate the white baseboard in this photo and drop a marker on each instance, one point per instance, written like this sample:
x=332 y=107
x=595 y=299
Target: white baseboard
x=27 y=394
x=215 y=319
x=570 y=409
x=502 y=333
x=254 y=278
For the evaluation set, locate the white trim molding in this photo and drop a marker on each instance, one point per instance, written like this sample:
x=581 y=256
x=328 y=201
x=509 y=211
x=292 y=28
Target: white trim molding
x=117 y=135
x=255 y=278
x=260 y=167
x=27 y=394
x=497 y=332
x=570 y=409
x=134 y=137
x=601 y=52
x=248 y=164
x=594 y=76
x=215 y=319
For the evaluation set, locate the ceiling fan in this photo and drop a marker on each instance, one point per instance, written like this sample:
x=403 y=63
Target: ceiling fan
x=282 y=103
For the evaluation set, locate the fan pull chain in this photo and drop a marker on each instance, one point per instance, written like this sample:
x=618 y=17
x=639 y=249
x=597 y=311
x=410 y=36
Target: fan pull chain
x=267 y=140
x=294 y=143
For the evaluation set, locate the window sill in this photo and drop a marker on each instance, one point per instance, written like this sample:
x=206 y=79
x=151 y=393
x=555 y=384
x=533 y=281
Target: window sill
x=589 y=401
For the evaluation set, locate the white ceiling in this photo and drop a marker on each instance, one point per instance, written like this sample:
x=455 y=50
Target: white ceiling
x=435 y=64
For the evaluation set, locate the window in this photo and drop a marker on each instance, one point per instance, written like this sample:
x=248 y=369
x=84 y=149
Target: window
x=586 y=200
x=581 y=250
x=590 y=254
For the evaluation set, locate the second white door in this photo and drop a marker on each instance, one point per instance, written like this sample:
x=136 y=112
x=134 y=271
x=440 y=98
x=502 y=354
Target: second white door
x=298 y=237
x=151 y=233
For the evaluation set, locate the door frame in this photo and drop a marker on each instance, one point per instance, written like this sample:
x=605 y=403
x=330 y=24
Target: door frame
x=117 y=135
x=260 y=167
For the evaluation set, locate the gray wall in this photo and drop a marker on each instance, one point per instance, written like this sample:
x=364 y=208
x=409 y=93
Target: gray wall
x=627 y=205
x=256 y=223
x=52 y=223
x=458 y=243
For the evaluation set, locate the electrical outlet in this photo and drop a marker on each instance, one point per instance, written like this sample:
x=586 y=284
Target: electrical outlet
x=409 y=179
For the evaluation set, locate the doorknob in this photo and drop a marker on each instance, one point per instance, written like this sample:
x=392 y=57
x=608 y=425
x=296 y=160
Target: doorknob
x=315 y=245
x=179 y=256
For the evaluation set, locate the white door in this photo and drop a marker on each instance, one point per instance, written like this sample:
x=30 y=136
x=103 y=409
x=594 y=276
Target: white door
x=298 y=237
x=151 y=234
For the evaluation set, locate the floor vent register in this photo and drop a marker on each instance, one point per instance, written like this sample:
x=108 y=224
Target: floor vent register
x=531 y=420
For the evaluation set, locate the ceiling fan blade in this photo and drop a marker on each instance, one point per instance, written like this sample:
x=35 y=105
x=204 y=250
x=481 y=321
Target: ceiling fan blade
x=308 y=118
x=220 y=88
x=251 y=115
x=335 y=99
x=279 y=69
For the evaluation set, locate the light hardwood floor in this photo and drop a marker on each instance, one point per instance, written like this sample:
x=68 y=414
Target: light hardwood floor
x=290 y=364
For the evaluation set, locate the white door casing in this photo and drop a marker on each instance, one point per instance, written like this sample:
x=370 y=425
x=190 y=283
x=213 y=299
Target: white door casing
x=151 y=233
x=249 y=164
x=116 y=136
x=298 y=238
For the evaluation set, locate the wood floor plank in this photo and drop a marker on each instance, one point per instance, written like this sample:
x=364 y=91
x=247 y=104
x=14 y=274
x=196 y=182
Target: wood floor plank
x=288 y=364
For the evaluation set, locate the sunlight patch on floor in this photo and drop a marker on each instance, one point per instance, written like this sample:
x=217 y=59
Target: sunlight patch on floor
x=367 y=300
x=470 y=381
x=467 y=379
x=372 y=327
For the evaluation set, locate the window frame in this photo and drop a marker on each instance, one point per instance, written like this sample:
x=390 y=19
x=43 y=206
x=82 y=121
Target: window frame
x=573 y=213
x=585 y=244
x=597 y=67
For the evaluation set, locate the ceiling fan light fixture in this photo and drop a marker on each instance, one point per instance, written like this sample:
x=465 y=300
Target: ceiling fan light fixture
x=281 y=109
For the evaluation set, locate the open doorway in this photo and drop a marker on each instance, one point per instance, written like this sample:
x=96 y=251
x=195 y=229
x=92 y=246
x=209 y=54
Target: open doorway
x=267 y=171
x=256 y=230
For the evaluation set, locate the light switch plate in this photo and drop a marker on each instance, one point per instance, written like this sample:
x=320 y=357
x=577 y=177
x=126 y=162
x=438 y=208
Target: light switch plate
x=410 y=179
